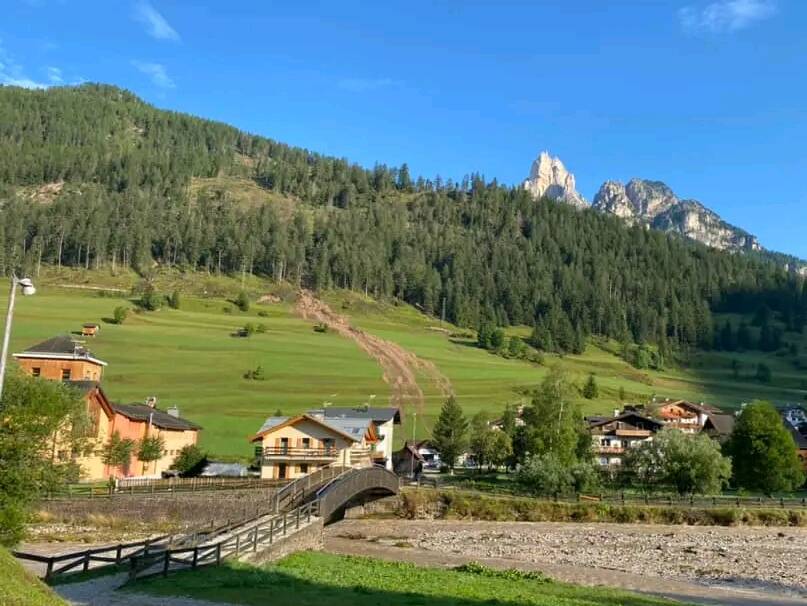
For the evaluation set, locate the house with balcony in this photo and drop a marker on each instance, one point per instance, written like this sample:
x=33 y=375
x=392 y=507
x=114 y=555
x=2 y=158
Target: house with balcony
x=612 y=437
x=384 y=420
x=684 y=416
x=292 y=447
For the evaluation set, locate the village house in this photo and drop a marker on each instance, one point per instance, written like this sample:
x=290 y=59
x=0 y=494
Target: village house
x=384 y=419
x=291 y=447
x=408 y=462
x=90 y=329
x=795 y=419
x=62 y=359
x=612 y=437
x=138 y=421
x=684 y=416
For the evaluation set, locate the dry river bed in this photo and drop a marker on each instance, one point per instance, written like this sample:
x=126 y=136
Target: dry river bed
x=770 y=561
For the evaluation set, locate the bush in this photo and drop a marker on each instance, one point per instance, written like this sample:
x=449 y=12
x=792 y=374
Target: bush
x=263 y=314
x=120 y=314
x=256 y=375
x=227 y=309
x=321 y=327
x=190 y=461
x=248 y=330
x=261 y=329
x=150 y=300
x=242 y=301
x=174 y=301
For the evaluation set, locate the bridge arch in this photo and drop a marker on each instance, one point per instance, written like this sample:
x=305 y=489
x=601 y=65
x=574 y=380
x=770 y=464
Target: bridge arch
x=368 y=482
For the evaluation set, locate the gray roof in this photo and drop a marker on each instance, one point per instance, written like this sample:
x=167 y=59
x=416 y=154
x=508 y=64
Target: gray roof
x=799 y=435
x=723 y=424
x=159 y=418
x=377 y=414
x=230 y=470
x=272 y=422
x=82 y=386
x=352 y=426
x=60 y=346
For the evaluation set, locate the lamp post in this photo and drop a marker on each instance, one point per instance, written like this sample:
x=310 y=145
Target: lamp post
x=27 y=289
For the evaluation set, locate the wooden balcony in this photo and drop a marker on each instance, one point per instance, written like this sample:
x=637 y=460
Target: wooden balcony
x=609 y=450
x=293 y=453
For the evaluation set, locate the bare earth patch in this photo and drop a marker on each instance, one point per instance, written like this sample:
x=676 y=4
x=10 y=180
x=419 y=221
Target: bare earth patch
x=765 y=561
x=399 y=366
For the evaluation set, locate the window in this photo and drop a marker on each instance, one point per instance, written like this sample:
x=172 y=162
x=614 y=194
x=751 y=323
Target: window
x=304 y=468
x=65 y=374
x=36 y=371
x=306 y=442
x=284 y=445
x=281 y=471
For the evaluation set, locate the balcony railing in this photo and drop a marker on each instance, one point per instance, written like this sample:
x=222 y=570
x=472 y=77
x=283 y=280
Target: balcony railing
x=609 y=450
x=294 y=452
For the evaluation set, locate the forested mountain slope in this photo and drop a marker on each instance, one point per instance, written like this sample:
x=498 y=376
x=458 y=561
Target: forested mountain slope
x=122 y=181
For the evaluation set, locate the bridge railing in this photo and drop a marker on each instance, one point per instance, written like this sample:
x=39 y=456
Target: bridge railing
x=304 y=487
x=338 y=492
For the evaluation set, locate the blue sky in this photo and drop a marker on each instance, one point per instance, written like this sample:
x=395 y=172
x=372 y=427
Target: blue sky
x=708 y=96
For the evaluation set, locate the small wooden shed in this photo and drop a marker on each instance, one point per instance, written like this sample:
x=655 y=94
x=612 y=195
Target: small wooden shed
x=90 y=329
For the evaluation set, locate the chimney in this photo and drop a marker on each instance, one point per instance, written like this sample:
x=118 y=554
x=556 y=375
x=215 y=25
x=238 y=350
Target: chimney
x=616 y=412
x=173 y=411
x=151 y=401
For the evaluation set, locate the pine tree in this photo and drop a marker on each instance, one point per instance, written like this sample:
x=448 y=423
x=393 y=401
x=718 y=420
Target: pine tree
x=450 y=433
x=591 y=390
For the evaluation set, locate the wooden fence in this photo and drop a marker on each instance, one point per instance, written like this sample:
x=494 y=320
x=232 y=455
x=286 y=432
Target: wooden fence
x=133 y=486
x=622 y=498
x=248 y=540
x=113 y=554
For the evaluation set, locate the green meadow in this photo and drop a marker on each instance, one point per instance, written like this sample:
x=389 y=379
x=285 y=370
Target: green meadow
x=320 y=579
x=190 y=358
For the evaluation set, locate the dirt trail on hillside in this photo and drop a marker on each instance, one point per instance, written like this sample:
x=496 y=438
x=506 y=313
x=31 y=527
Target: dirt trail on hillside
x=399 y=365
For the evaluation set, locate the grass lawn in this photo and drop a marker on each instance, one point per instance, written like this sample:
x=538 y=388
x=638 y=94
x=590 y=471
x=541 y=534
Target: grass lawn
x=18 y=588
x=188 y=357
x=318 y=579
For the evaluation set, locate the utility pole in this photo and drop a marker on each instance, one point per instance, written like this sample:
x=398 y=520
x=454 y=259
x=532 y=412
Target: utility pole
x=27 y=289
x=443 y=313
x=414 y=425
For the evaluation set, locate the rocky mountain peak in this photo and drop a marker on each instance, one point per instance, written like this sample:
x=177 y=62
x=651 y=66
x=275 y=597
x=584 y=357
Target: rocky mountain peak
x=549 y=177
x=654 y=204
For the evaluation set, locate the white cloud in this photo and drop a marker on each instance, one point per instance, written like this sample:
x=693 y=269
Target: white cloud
x=156 y=25
x=157 y=72
x=725 y=15
x=54 y=75
x=13 y=74
x=361 y=85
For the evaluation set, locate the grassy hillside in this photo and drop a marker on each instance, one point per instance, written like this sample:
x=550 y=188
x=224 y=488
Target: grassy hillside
x=189 y=357
x=319 y=579
x=18 y=588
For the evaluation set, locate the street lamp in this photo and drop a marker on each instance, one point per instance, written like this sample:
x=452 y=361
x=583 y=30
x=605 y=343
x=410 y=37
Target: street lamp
x=27 y=287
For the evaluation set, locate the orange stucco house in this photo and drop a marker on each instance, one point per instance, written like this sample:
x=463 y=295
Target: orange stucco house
x=62 y=359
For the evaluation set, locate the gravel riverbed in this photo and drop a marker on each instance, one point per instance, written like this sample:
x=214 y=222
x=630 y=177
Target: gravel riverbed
x=768 y=559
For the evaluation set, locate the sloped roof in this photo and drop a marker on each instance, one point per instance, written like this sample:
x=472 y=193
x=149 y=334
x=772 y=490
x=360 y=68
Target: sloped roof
x=623 y=417
x=799 y=436
x=159 y=418
x=82 y=386
x=61 y=346
x=351 y=426
x=273 y=423
x=377 y=414
x=722 y=424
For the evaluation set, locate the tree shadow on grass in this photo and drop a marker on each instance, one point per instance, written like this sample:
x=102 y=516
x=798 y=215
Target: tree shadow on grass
x=307 y=579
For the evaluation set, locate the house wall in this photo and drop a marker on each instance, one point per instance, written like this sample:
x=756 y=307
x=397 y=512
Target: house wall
x=384 y=445
x=295 y=434
x=51 y=368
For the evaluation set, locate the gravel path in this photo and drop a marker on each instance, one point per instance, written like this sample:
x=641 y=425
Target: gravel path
x=708 y=565
x=102 y=592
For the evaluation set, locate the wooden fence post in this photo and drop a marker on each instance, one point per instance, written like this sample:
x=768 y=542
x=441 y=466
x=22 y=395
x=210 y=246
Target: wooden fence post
x=285 y=523
x=218 y=554
x=195 y=556
x=166 y=562
x=118 y=554
x=49 y=570
x=86 y=566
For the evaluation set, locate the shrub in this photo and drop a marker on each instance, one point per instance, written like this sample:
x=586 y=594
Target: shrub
x=256 y=375
x=242 y=301
x=263 y=314
x=120 y=314
x=227 y=309
x=261 y=328
x=174 y=301
x=190 y=461
x=321 y=327
x=248 y=330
